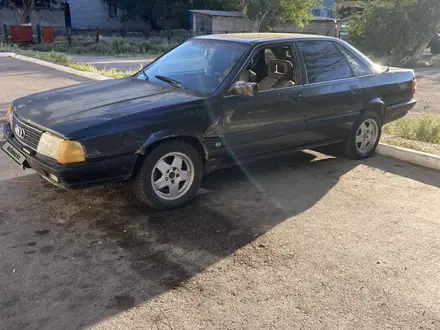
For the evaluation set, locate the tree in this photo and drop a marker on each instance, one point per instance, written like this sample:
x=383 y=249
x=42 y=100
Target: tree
x=398 y=29
x=24 y=9
x=296 y=10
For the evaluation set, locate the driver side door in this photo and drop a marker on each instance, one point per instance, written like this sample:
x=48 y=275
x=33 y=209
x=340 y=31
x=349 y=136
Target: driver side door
x=272 y=120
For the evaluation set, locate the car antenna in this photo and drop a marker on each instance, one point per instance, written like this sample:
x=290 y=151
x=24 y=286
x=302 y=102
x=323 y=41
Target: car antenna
x=389 y=67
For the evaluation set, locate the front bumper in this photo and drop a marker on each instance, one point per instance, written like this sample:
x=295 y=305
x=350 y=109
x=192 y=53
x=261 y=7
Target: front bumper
x=77 y=176
x=396 y=111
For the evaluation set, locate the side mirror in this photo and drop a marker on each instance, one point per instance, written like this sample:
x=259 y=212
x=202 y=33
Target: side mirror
x=243 y=88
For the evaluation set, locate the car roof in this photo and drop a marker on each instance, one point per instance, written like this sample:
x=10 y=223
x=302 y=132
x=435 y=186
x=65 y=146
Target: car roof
x=253 y=38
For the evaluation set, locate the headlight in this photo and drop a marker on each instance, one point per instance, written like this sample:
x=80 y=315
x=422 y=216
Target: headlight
x=64 y=151
x=10 y=113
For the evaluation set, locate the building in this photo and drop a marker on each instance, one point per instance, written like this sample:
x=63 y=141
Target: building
x=46 y=13
x=326 y=9
x=101 y=14
x=214 y=21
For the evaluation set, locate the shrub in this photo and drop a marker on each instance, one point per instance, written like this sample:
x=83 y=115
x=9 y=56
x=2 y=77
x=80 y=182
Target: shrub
x=426 y=129
x=54 y=57
x=119 y=46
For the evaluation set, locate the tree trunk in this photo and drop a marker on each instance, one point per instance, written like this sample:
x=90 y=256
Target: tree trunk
x=418 y=51
x=259 y=20
x=25 y=18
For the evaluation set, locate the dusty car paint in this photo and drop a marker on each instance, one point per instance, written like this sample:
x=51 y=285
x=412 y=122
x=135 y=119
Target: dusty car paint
x=127 y=116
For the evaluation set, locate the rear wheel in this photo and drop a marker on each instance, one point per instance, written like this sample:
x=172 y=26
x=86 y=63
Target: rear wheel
x=364 y=136
x=170 y=176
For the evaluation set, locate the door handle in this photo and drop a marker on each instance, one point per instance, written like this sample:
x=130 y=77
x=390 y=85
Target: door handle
x=354 y=90
x=296 y=98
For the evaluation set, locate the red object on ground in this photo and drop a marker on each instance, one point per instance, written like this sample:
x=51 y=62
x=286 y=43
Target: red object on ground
x=21 y=33
x=48 y=35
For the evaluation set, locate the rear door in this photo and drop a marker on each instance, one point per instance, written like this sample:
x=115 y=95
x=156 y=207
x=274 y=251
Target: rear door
x=334 y=93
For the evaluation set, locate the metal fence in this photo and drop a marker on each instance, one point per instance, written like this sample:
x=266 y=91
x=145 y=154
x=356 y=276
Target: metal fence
x=67 y=36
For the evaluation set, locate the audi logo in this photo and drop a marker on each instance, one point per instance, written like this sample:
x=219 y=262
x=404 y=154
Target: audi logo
x=19 y=131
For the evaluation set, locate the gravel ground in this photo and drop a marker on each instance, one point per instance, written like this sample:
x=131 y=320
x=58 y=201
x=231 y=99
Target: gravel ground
x=306 y=241
x=428 y=92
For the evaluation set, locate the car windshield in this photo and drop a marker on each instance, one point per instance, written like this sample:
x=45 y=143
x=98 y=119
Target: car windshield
x=199 y=65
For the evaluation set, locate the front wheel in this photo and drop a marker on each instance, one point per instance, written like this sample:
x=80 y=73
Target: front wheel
x=170 y=176
x=364 y=136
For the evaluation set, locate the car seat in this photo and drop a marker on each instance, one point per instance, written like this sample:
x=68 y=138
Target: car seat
x=278 y=69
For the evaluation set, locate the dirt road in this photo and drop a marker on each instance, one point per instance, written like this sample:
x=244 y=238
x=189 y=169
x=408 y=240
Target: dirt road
x=306 y=241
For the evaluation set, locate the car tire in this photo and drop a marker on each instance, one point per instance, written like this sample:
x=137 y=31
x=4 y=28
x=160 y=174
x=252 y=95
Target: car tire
x=170 y=176
x=364 y=136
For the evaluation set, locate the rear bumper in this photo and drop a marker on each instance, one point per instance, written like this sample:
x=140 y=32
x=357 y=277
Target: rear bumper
x=396 y=111
x=77 y=176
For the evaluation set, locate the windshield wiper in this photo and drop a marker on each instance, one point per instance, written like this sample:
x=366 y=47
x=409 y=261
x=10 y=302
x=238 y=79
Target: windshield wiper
x=145 y=75
x=172 y=82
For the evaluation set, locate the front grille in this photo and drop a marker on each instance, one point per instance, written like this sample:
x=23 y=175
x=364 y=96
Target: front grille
x=32 y=135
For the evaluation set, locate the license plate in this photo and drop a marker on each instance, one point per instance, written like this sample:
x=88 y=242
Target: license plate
x=14 y=153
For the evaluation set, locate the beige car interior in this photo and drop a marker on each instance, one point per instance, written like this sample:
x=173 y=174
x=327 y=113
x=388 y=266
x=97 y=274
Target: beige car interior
x=271 y=68
x=278 y=70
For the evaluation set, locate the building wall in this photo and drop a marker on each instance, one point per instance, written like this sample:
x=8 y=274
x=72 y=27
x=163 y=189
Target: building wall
x=326 y=28
x=91 y=14
x=202 y=23
x=43 y=17
x=221 y=24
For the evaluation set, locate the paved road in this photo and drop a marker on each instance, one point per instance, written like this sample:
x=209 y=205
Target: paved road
x=18 y=78
x=304 y=241
x=119 y=63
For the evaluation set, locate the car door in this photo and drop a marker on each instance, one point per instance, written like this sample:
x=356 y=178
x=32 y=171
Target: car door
x=273 y=119
x=334 y=93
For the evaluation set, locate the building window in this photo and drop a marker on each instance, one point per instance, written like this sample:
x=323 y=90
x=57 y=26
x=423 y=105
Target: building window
x=316 y=12
x=330 y=13
x=112 y=10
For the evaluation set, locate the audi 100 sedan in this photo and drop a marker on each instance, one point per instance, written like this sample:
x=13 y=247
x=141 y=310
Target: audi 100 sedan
x=212 y=102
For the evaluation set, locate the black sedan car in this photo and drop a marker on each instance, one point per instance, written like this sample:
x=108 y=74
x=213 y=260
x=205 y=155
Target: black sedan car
x=212 y=102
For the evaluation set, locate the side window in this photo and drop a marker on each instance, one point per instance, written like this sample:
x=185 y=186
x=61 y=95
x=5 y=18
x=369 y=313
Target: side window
x=272 y=67
x=269 y=55
x=359 y=68
x=324 y=62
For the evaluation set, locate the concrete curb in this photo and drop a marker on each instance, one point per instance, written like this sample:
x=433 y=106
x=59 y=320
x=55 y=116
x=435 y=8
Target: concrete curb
x=90 y=75
x=7 y=54
x=409 y=155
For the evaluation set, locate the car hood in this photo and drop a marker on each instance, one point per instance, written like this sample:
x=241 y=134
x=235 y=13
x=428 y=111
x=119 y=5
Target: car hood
x=73 y=108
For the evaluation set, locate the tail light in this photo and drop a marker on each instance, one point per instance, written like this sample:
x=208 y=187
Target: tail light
x=414 y=87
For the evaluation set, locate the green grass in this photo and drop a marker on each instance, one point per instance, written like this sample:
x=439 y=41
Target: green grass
x=425 y=129
x=409 y=144
x=113 y=73
x=116 y=47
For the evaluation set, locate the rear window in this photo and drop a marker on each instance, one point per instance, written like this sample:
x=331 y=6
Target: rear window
x=359 y=68
x=324 y=62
